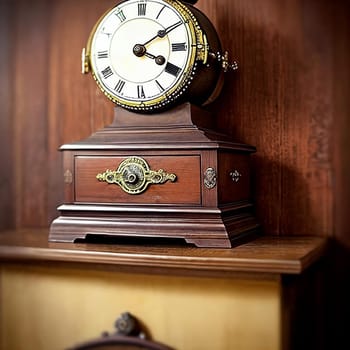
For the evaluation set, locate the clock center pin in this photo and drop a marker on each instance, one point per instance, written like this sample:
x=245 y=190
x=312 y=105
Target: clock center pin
x=139 y=50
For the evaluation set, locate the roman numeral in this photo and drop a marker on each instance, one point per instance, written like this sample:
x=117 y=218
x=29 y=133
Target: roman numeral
x=121 y=16
x=141 y=10
x=160 y=11
x=172 y=69
x=140 y=92
x=119 y=87
x=107 y=72
x=179 y=47
x=102 y=54
x=159 y=86
x=103 y=31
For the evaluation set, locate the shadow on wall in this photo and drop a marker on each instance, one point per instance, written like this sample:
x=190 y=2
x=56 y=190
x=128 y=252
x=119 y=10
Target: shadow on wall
x=268 y=104
x=337 y=302
x=284 y=201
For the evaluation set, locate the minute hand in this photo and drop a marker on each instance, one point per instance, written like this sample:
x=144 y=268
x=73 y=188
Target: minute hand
x=162 y=33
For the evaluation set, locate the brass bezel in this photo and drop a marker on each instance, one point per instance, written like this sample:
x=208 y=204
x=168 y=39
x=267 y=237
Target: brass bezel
x=198 y=53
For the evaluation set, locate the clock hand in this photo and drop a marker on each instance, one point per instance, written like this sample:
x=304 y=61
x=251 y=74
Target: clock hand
x=163 y=32
x=140 y=50
x=160 y=60
x=147 y=42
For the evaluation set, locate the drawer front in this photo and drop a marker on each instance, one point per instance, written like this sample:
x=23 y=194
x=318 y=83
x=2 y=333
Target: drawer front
x=184 y=190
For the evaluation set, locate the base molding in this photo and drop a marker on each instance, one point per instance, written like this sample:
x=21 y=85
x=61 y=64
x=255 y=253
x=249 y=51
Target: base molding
x=202 y=227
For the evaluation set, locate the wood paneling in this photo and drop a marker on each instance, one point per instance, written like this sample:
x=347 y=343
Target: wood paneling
x=281 y=101
x=288 y=99
x=30 y=73
x=341 y=137
x=7 y=211
x=76 y=107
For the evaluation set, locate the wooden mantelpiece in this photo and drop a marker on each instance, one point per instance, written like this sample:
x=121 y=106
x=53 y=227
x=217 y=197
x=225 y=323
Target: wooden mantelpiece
x=266 y=254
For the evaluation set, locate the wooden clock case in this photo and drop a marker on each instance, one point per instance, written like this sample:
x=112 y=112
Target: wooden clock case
x=208 y=205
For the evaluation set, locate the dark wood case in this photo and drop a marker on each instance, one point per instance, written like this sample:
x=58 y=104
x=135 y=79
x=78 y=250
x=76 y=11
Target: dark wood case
x=208 y=205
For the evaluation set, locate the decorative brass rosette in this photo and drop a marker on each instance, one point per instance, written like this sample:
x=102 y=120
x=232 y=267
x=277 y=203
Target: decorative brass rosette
x=134 y=175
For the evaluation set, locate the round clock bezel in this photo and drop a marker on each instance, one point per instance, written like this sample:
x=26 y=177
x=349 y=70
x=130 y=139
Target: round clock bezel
x=197 y=51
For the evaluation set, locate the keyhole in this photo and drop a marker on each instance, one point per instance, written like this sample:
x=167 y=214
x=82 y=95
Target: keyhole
x=131 y=178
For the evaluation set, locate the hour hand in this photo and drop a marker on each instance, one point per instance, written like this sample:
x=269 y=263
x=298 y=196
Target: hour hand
x=140 y=50
x=160 y=60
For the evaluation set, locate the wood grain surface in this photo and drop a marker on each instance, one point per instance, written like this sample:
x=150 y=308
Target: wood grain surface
x=288 y=98
x=265 y=255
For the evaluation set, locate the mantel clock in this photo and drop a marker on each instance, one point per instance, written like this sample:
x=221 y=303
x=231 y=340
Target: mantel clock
x=159 y=170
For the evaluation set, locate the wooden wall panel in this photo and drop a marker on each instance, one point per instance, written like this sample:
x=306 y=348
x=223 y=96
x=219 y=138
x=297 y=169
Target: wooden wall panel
x=341 y=137
x=282 y=100
x=339 y=306
x=7 y=208
x=29 y=108
x=76 y=106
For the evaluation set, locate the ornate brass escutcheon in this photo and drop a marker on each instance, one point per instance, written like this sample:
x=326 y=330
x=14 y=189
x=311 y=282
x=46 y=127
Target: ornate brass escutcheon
x=134 y=175
x=210 y=178
x=68 y=177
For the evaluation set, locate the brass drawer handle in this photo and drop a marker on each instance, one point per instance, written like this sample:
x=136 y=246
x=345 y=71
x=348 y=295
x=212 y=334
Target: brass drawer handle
x=134 y=175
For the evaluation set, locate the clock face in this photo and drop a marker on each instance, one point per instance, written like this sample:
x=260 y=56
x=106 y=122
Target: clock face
x=143 y=53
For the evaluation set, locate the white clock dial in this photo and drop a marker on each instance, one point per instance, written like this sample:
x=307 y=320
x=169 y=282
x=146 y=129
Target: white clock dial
x=143 y=52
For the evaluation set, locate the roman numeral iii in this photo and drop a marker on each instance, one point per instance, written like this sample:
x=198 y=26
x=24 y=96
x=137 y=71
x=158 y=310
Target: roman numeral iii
x=179 y=47
x=119 y=87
